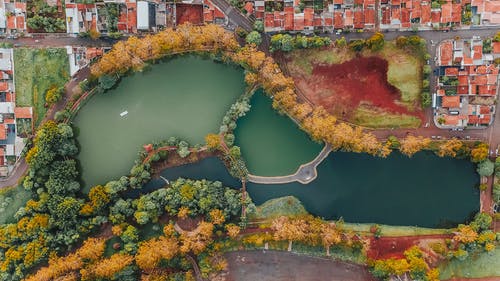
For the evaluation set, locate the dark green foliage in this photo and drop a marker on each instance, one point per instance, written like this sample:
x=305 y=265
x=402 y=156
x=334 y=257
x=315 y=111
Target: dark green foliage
x=426 y=99
x=45 y=18
x=200 y=197
x=357 y=45
x=287 y=43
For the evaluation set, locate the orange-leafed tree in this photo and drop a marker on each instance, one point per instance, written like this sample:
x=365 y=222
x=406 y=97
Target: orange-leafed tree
x=411 y=144
x=289 y=229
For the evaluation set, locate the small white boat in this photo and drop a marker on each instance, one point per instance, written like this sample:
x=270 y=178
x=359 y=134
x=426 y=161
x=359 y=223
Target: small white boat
x=124 y=113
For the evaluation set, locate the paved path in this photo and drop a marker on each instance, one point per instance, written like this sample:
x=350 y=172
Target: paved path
x=22 y=166
x=305 y=174
x=286 y=266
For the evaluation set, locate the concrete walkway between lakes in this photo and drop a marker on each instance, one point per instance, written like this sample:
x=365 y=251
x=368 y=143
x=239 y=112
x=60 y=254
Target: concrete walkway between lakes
x=305 y=174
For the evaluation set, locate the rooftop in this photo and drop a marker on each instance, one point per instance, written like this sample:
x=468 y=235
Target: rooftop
x=451 y=101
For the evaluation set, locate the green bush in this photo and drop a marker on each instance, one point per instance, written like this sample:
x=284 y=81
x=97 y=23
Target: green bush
x=485 y=168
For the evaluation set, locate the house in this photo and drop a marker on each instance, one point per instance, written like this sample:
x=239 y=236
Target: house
x=452 y=102
x=80 y=17
x=12 y=16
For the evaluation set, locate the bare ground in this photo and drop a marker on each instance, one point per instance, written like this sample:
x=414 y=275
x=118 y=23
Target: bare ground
x=281 y=266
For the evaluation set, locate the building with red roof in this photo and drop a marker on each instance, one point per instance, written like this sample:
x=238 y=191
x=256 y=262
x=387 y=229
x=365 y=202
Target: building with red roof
x=426 y=14
x=451 y=101
x=369 y=18
x=14 y=13
x=308 y=18
x=23 y=112
x=445 y=54
x=339 y=20
x=445 y=13
x=80 y=17
x=359 y=19
x=3 y=132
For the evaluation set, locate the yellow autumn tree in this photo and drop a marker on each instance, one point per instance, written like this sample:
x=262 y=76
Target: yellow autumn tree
x=197 y=240
x=233 y=230
x=212 y=141
x=287 y=229
x=330 y=236
x=465 y=234
x=411 y=144
x=107 y=268
x=479 y=152
x=152 y=251
x=217 y=217
x=449 y=148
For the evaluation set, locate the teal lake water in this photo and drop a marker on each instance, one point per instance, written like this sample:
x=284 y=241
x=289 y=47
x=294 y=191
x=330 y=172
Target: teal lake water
x=185 y=97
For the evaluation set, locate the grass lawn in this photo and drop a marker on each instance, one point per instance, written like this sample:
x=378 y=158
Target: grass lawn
x=11 y=199
x=390 y=230
x=303 y=60
x=481 y=265
x=36 y=71
x=404 y=73
x=373 y=118
x=283 y=206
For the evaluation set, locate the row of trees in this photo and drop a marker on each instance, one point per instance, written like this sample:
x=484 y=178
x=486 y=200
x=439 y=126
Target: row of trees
x=134 y=52
x=374 y=43
x=287 y=43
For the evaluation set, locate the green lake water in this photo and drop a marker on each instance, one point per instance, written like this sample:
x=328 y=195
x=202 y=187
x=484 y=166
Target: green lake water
x=271 y=144
x=185 y=97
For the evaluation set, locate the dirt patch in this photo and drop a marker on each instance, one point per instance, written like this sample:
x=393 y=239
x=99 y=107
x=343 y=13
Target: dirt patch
x=281 y=266
x=343 y=87
x=189 y=13
x=394 y=247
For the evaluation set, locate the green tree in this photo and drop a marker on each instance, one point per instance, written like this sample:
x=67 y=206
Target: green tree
x=485 y=168
x=482 y=221
x=254 y=37
x=357 y=45
x=258 y=26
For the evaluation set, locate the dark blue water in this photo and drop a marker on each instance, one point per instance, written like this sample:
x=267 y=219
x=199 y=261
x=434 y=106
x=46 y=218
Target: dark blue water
x=424 y=190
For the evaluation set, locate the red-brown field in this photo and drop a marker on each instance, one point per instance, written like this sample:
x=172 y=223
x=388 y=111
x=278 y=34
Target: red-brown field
x=341 y=88
x=376 y=90
x=189 y=13
x=394 y=247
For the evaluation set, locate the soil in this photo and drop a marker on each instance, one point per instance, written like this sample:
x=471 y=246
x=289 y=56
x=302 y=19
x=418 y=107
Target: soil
x=394 y=247
x=189 y=13
x=341 y=88
x=285 y=266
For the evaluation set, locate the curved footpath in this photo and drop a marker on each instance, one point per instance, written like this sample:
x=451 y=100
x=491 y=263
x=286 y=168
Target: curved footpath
x=21 y=165
x=305 y=174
